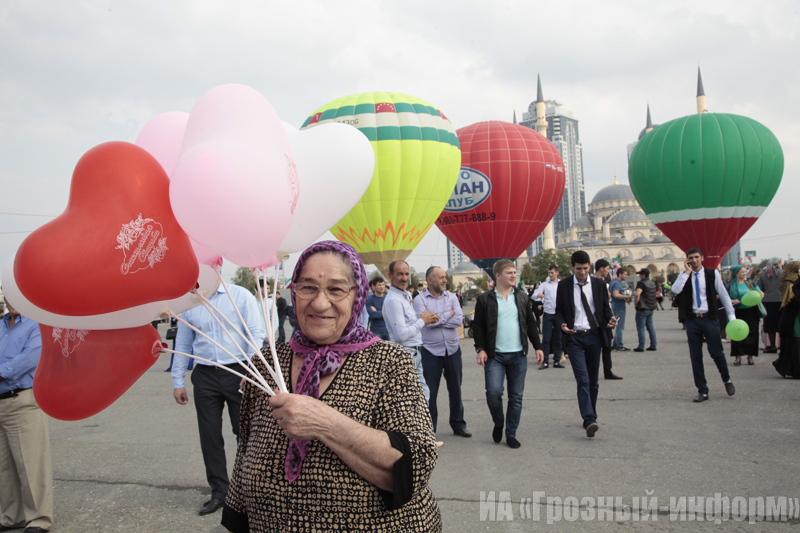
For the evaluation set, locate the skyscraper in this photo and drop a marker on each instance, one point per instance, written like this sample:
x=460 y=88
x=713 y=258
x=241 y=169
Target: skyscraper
x=562 y=131
x=454 y=256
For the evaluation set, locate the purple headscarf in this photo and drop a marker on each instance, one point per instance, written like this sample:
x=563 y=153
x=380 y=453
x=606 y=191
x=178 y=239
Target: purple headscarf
x=321 y=360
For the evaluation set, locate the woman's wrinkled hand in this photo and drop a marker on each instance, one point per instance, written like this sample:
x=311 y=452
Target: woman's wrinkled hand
x=301 y=417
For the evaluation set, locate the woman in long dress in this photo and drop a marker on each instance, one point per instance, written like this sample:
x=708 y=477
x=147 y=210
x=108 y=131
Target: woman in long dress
x=748 y=346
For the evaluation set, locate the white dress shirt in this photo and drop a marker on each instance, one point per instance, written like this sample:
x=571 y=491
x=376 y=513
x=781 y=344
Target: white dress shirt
x=701 y=306
x=549 y=289
x=581 y=320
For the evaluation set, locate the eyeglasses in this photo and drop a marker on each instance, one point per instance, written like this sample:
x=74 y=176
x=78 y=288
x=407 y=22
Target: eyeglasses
x=334 y=293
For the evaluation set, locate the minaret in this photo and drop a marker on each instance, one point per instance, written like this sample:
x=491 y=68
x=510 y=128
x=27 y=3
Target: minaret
x=515 y=115
x=647 y=129
x=701 y=94
x=541 y=126
x=541 y=118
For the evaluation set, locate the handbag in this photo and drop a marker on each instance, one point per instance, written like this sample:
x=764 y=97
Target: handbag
x=172 y=333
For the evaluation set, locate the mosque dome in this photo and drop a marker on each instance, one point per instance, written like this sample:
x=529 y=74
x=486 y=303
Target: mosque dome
x=662 y=238
x=640 y=240
x=647 y=257
x=589 y=241
x=613 y=192
x=627 y=259
x=463 y=268
x=620 y=241
x=628 y=215
x=668 y=256
x=581 y=221
x=570 y=244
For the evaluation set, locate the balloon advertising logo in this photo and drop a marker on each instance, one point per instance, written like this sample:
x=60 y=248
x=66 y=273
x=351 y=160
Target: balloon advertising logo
x=147 y=252
x=471 y=190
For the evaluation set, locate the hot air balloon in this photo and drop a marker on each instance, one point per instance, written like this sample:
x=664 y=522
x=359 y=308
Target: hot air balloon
x=417 y=157
x=705 y=179
x=510 y=185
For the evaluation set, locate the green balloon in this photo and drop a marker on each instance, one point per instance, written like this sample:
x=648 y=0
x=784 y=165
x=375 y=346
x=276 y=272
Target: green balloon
x=751 y=299
x=737 y=330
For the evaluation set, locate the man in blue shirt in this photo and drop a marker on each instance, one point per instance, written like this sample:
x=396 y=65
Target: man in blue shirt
x=402 y=322
x=214 y=387
x=618 y=302
x=374 y=307
x=440 y=348
x=503 y=324
x=26 y=479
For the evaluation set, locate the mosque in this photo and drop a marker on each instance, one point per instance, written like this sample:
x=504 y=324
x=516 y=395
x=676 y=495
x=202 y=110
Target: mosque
x=615 y=228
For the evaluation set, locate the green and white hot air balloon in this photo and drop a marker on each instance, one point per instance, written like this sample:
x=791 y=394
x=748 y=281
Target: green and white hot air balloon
x=705 y=179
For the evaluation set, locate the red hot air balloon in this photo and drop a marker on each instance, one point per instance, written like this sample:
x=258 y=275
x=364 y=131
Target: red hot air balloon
x=510 y=186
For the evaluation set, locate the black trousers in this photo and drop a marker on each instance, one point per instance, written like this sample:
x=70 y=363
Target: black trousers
x=606 y=351
x=213 y=388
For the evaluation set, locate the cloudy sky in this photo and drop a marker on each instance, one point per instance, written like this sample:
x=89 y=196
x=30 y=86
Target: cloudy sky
x=79 y=73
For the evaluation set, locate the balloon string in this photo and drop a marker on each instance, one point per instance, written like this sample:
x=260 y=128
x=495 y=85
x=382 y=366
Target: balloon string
x=209 y=306
x=218 y=345
x=281 y=385
x=265 y=388
x=268 y=322
x=207 y=303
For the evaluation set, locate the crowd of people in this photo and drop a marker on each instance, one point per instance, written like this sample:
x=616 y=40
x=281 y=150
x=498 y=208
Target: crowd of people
x=358 y=431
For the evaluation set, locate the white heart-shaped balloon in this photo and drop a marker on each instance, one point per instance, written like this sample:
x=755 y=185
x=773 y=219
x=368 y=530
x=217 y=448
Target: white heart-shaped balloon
x=335 y=164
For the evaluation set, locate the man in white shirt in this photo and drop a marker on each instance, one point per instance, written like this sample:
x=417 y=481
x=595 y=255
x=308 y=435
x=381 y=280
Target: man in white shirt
x=583 y=314
x=215 y=388
x=550 y=333
x=699 y=291
x=401 y=320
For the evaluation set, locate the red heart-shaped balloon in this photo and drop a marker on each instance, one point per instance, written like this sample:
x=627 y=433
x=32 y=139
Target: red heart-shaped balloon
x=117 y=244
x=81 y=372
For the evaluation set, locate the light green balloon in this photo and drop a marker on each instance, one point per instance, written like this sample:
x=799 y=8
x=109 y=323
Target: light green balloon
x=737 y=330
x=751 y=299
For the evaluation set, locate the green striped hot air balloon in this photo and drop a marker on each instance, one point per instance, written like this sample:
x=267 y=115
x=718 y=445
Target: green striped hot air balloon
x=417 y=160
x=705 y=179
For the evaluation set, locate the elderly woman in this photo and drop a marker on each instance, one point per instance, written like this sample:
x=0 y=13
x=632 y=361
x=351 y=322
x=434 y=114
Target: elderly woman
x=740 y=286
x=351 y=447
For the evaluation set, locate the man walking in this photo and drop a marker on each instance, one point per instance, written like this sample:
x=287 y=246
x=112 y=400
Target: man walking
x=644 y=301
x=695 y=288
x=282 y=306
x=26 y=479
x=583 y=313
x=402 y=322
x=440 y=349
x=374 y=307
x=214 y=387
x=618 y=305
x=601 y=269
x=503 y=324
x=551 y=335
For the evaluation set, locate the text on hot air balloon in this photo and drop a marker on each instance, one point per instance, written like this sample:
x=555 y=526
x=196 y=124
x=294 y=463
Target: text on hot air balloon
x=471 y=190
x=446 y=220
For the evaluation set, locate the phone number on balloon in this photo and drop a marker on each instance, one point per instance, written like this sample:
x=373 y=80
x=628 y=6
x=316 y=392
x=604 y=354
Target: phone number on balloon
x=459 y=219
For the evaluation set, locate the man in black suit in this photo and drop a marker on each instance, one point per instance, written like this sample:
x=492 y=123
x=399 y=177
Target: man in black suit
x=583 y=313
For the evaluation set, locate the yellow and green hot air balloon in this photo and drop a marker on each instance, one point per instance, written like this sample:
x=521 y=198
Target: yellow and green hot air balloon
x=417 y=160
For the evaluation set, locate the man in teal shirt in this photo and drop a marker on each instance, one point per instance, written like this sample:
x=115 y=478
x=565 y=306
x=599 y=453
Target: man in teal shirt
x=503 y=324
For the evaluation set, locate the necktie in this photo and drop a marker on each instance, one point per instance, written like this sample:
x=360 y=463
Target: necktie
x=588 y=309
x=697 y=288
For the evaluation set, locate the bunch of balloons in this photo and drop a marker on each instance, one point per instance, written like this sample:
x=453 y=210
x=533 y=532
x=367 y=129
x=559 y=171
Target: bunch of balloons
x=147 y=225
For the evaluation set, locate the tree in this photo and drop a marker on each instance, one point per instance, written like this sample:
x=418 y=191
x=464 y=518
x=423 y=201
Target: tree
x=671 y=277
x=451 y=282
x=545 y=258
x=244 y=278
x=528 y=276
